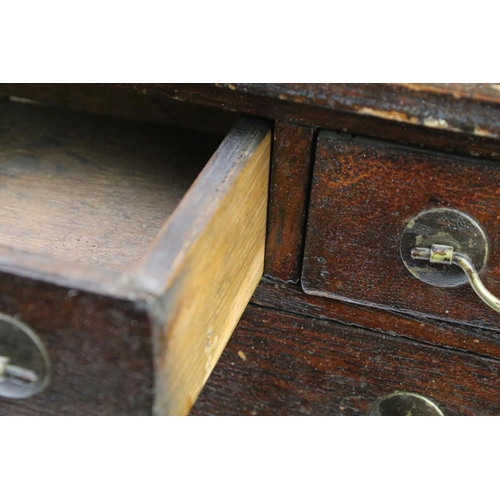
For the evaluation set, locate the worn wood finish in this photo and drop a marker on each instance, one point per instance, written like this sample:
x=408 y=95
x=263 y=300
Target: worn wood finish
x=83 y=193
x=363 y=195
x=479 y=92
x=72 y=275
x=99 y=348
x=466 y=108
x=293 y=149
x=457 y=107
x=91 y=189
x=209 y=259
x=439 y=333
x=106 y=99
x=385 y=111
x=279 y=363
x=299 y=364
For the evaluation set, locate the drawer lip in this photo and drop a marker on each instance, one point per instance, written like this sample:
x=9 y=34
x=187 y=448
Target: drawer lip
x=74 y=276
x=164 y=257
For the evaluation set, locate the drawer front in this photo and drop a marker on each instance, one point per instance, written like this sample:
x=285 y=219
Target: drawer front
x=281 y=363
x=364 y=194
x=99 y=350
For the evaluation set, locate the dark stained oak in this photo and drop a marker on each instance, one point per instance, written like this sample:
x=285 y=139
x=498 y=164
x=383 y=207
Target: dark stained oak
x=107 y=99
x=479 y=92
x=469 y=108
x=100 y=349
x=455 y=336
x=404 y=113
x=293 y=150
x=363 y=195
x=279 y=363
x=458 y=107
x=292 y=353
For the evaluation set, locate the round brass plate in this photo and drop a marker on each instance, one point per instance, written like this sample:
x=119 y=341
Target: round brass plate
x=27 y=360
x=443 y=226
x=405 y=404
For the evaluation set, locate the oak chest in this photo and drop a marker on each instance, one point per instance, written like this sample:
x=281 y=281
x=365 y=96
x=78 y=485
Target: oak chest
x=139 y=222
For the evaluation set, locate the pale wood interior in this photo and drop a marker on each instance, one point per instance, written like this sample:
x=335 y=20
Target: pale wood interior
x=210 y=278
x=88 y=188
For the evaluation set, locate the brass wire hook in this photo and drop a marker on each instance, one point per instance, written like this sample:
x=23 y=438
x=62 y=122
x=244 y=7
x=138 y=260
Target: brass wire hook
x=444 y=254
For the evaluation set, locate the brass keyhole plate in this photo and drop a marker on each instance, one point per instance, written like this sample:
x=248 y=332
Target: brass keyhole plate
x=405 y=404
x=25 y=362
x=443 y=226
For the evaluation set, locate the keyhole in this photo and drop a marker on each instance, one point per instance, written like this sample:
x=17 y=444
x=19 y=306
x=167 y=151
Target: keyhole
x=24 y=362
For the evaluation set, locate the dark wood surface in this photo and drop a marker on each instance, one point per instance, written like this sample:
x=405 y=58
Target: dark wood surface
x=363 y=195
x=293 y=150
x=280 y=363
x=88 y=188
x=479 y=92
x=467 y=125
x=99 y=348
x=470 y=108
x=465 y=338
x=292 y=353
x=105 y=99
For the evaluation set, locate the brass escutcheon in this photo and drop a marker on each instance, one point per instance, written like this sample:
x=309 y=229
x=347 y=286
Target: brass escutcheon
x=405 y=404
x=24 y=362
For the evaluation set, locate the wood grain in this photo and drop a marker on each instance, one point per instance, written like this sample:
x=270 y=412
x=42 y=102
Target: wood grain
x=459 y=107
x=467 y=108
x=464 y=338
x=279 y=363
x=99 y=347
x=106 y=99
x=293 y=149
x=208 y=258
x=363 y=195
x=480 y=92
x=91 y=189
x=72 y=275
x=433 y=119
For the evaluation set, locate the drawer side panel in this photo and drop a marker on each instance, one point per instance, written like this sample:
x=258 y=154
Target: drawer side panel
x=220 y=261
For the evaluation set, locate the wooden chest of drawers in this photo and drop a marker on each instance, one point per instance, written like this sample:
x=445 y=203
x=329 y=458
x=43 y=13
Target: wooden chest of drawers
x=337 y=322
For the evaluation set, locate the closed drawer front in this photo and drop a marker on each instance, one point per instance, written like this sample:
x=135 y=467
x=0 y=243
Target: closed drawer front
x=364 y=194
x=130 y=249
x=285 y=364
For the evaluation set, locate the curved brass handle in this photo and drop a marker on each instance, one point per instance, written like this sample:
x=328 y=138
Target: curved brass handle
x=444 y=254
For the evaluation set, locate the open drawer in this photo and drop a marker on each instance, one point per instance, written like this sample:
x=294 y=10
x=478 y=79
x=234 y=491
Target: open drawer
x=130 y=249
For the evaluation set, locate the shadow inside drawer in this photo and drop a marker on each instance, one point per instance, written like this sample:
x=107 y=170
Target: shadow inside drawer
x=90 y=188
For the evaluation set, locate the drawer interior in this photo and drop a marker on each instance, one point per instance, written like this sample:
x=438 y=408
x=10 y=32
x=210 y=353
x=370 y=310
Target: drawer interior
x=91 y=189
x=126 y=216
